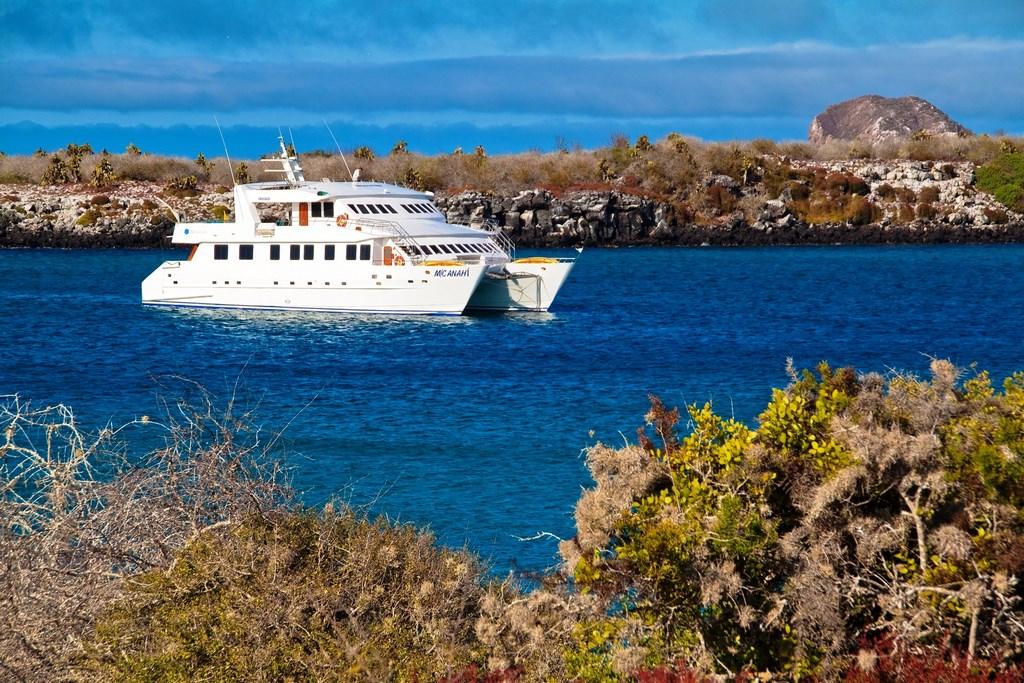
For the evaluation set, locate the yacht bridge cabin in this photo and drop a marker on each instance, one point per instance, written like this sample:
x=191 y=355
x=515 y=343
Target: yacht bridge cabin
x=348 y=246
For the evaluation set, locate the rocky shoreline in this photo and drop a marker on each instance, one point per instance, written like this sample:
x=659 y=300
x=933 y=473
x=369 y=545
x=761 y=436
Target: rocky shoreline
x=949 y=210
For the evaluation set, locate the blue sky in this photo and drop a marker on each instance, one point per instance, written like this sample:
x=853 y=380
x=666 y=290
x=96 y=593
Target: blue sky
x=508 y=75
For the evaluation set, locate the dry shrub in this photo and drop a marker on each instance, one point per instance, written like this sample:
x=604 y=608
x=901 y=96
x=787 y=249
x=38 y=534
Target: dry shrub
x=905 y=194
x=295 y=596
x=718 y=200
x=22 y=169
x=529 y=632
x=79 y=516
x=997 y=216
x=619 y=475
x=905 y=213
x=152 y=168
x=193 y=562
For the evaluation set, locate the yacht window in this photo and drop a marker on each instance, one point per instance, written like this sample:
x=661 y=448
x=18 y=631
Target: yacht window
x=307 y=252
x=329 y=252
x=294 y=252
x=362 y=208
x=373 y=208
x=275 y=252
x=433 y=248
x=353 y=208
x=328 y=209
x=424 y=208
x=383 y=208
x=410 y=208
x=220 y=252
x=350 y=252
x=315 y=209
x=390 y=208
x=445 y=248
x=364 y=252
x=245 y=252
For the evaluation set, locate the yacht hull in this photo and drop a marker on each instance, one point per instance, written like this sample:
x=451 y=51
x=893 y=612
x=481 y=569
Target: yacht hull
x=521 y=286
x=388 y=290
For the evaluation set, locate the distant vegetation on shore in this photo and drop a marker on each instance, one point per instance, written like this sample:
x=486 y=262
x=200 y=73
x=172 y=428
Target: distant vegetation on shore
x=867 y=529
x=673 y=166
x=685 y=183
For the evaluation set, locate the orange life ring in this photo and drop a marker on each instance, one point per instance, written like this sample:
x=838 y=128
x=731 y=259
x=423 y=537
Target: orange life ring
x=399 y=261
x=342 y=220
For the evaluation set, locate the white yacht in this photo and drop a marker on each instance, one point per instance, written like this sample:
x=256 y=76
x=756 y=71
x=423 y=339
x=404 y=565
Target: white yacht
x=360 y=247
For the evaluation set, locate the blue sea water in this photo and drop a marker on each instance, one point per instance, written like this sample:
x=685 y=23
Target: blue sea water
x=474 y=425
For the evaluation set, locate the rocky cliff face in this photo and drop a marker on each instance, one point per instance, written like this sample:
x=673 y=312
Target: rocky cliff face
x=873 y=118
x=913 y=202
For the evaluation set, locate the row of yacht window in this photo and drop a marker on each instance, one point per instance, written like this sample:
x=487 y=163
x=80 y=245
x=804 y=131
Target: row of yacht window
x=441 y=249
x=326 y=209
x=296 y=252
x=353 y=252
x=389 y=208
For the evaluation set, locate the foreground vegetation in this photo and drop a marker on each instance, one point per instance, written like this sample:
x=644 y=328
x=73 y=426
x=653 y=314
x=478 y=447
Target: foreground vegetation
x=867 y=529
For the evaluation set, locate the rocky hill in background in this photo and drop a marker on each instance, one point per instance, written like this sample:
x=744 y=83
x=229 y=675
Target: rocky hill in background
x=873 y=119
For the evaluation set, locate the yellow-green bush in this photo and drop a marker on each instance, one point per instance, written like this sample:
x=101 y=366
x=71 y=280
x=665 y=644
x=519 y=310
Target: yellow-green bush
x=858 y=509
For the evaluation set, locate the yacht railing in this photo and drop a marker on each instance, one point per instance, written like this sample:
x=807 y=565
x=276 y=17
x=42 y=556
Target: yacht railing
x=399 y=235
x=498 y=236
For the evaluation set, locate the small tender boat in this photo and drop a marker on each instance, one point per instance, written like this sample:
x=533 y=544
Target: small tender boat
x=355 y=246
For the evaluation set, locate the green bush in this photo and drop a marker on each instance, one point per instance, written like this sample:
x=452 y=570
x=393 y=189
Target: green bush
x=183 y=186
x=1003 y=177
x=89 y=217
x=103 y=173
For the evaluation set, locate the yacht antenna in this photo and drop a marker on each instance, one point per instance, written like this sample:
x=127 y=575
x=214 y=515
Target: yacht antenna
x=351 y=177
x=295 y=150
x=231 y=170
